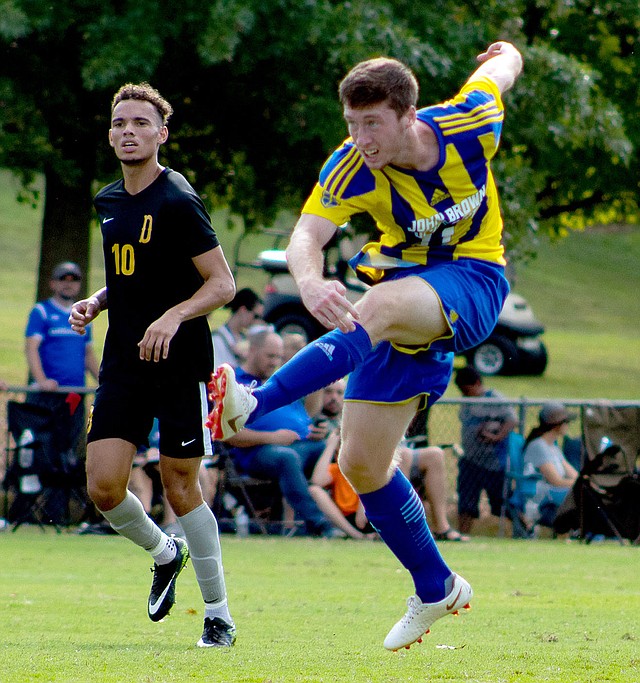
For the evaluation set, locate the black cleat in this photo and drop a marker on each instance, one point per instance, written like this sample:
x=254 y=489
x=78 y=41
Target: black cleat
x=217 y=633
x=163 y=589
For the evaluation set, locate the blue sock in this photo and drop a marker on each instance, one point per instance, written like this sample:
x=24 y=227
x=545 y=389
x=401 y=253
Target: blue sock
x=318 y=364
x=397 y=514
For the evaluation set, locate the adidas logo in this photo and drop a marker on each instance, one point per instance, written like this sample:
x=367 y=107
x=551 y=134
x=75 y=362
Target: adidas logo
x=327 y=348
x=439 y=196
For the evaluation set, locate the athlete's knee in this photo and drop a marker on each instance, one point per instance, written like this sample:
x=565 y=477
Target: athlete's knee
x=376 y=315
x=105 y=493
x=356 y=468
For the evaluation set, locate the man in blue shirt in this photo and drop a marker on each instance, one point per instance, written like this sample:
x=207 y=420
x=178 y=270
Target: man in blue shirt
x=56 y=355
x=283 y=445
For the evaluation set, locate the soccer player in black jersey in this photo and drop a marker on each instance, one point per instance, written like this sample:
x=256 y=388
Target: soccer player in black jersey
x=165 y=271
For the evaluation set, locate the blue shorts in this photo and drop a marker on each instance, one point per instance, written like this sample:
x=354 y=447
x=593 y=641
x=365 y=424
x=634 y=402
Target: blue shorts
x=472 y=294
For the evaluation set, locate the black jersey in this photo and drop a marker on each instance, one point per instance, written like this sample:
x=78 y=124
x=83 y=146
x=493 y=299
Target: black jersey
x=149 y=240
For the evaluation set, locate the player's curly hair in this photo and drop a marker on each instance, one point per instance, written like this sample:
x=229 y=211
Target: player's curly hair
x=147 y=93
x=379 y=80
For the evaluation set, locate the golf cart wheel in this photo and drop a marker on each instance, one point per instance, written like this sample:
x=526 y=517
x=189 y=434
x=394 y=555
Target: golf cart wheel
x=495 y=356
x=536 y=363
x=300 y=323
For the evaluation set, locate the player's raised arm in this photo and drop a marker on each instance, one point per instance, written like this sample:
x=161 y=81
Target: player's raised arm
x=324 y=299
x=501 y=62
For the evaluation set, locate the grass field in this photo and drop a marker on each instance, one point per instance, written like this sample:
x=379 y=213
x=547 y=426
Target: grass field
x=74 y=607
x=583 y=289
x=74 y=610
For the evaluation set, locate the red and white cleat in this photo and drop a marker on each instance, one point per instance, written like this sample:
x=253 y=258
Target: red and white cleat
x=233 y=403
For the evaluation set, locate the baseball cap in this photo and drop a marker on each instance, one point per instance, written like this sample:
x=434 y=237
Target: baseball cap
x=554 y=413
x=66 y=268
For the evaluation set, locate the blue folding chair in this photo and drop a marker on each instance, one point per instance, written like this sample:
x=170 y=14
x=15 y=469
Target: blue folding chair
x=519 y=487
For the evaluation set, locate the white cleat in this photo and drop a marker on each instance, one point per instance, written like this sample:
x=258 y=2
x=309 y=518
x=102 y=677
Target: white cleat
x=233 y=403
x=420 y=616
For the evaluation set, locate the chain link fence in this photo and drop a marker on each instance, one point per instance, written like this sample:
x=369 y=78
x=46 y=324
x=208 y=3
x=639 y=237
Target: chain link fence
x=442 y=428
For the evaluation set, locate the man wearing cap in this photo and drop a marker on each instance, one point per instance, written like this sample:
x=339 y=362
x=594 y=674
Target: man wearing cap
x=57 y=357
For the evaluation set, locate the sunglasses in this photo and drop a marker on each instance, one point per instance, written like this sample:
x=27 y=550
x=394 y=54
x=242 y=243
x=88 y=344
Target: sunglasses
x=69 y=278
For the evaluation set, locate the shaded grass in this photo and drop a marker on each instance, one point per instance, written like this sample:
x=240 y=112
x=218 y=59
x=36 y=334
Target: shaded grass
x=311 y=610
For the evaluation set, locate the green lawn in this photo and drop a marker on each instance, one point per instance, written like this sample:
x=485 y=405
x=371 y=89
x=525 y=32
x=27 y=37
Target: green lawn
x=583 y=289
x=74 y=610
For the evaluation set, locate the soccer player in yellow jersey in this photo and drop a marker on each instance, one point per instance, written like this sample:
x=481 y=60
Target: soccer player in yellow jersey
x=438 y=274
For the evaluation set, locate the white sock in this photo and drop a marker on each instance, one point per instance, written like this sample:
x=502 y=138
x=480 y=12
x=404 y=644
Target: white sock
x=131 y=521
x=218 y=609
x=165 y=551
x=201 y=531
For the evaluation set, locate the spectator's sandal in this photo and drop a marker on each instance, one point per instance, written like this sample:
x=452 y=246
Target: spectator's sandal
x=450 y=535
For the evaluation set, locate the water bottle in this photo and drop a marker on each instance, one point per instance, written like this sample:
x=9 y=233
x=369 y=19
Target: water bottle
x=29 y=483
x=242 y=521
x=25 y=455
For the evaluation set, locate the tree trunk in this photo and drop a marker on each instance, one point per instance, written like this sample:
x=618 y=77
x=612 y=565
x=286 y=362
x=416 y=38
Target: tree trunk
x=65 y=228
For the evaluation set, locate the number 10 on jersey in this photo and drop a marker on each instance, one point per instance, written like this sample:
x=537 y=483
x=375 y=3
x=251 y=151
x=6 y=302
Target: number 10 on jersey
x=124 y=258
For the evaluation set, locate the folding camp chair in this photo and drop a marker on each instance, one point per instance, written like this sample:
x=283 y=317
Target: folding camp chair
x=519 y=489
x=260 y=498
x=606 y=497
x=41 y=479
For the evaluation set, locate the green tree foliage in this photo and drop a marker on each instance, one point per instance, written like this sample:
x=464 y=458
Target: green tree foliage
x=254 y=85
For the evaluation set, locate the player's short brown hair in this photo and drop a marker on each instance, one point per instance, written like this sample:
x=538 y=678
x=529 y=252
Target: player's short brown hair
x=380 y=80
x=146 y=93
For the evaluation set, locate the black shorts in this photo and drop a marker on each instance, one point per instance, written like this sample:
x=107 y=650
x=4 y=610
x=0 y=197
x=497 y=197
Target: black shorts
x=125 y=410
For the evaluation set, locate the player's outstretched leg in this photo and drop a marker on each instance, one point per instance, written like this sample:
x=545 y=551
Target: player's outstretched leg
x=321 y=362
x=217 y=633
x=233 y=403
x=163 y=588
x=419 y=616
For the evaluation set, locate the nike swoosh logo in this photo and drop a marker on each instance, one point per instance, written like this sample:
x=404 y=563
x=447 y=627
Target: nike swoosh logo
x=451 y=604
x=106 y=220
x=155 y=606
x=186 y=443
x=232 y=422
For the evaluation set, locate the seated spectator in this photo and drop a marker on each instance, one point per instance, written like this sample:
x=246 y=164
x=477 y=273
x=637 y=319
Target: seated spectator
x=485 y=431
x=425 y=468
x=543 y=455
x=279 y=446
x=332 y=400
x=292 y=343
x=335 y=495
x=246 y=308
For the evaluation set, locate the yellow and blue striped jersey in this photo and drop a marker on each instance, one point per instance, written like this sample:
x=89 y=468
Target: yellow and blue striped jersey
x=446 y=213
